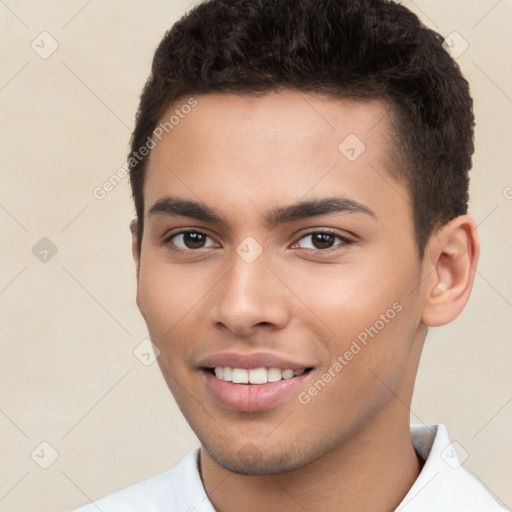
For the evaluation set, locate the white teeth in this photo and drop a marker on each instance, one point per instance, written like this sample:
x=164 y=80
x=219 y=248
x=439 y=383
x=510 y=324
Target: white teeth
x=240 y=376
x=273 y=374
x=255 y=375
x=227 y=374
x=258 y=376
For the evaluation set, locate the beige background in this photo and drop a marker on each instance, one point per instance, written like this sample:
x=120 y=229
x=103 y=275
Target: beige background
x=68 y=375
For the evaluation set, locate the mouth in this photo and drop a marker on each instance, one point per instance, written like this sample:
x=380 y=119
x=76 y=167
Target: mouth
x=254 y=389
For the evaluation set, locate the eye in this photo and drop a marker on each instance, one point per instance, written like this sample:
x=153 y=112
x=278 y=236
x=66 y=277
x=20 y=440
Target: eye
x=188 y=240
x=320 y=241
x=323 y=241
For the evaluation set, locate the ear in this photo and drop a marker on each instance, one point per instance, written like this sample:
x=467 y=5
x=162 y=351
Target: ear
x=135 y=245
x=450 y=261
x=136 y=258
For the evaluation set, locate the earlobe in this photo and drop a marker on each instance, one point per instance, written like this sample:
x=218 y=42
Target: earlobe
x=451 y=265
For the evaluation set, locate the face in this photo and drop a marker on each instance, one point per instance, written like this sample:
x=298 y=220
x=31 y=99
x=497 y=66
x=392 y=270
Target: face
x=283 y=328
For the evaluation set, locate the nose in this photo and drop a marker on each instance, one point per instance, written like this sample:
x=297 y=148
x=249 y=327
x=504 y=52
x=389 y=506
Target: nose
x=249 y=297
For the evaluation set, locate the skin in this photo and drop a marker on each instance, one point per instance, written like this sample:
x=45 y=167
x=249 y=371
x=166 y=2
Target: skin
x=349 y=448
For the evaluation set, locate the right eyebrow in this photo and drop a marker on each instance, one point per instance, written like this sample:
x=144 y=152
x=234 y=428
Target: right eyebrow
x=175 y=206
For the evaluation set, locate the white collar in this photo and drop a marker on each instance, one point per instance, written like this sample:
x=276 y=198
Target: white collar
x=443 y=485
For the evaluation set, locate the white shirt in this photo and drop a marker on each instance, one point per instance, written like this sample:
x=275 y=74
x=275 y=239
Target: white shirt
x=443 y=485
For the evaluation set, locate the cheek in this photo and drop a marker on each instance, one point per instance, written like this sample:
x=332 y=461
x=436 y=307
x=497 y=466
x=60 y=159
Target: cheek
x=369 y=306
x=368 y=358
x=348 y=299
x=168 y=299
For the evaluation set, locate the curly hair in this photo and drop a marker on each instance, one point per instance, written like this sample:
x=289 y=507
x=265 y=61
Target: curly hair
x=344 y=48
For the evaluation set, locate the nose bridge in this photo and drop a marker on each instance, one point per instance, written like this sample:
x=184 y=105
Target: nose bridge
x=249 y=293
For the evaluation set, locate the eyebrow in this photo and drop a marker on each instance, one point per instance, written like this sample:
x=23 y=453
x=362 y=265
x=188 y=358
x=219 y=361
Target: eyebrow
x=176 y=206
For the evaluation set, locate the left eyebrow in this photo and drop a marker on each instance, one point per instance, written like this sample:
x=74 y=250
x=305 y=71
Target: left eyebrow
x=176 y=206
x=315 y=207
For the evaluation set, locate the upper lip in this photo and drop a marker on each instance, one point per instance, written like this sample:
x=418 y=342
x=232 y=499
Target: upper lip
x=250 y=361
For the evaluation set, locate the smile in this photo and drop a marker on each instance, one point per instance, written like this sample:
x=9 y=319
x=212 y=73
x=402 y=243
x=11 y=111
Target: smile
x=255 y=375
x=256 y=389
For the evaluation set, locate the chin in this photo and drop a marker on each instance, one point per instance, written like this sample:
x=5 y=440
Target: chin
x=251 y=460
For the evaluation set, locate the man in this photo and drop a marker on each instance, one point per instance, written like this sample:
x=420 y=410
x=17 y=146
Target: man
x=300 y=177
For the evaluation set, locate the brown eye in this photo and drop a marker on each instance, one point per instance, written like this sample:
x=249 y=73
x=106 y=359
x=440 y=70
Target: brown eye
x=323 y=241
x=185 y=240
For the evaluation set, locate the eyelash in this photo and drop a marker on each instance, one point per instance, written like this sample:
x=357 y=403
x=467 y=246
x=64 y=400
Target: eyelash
x=345 y=241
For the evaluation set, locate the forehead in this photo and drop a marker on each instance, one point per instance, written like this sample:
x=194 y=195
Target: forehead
x=274 y=149
x=286 y=119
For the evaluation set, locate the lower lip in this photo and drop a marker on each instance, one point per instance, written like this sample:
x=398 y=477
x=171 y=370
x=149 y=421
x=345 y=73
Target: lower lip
x=252 y=397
